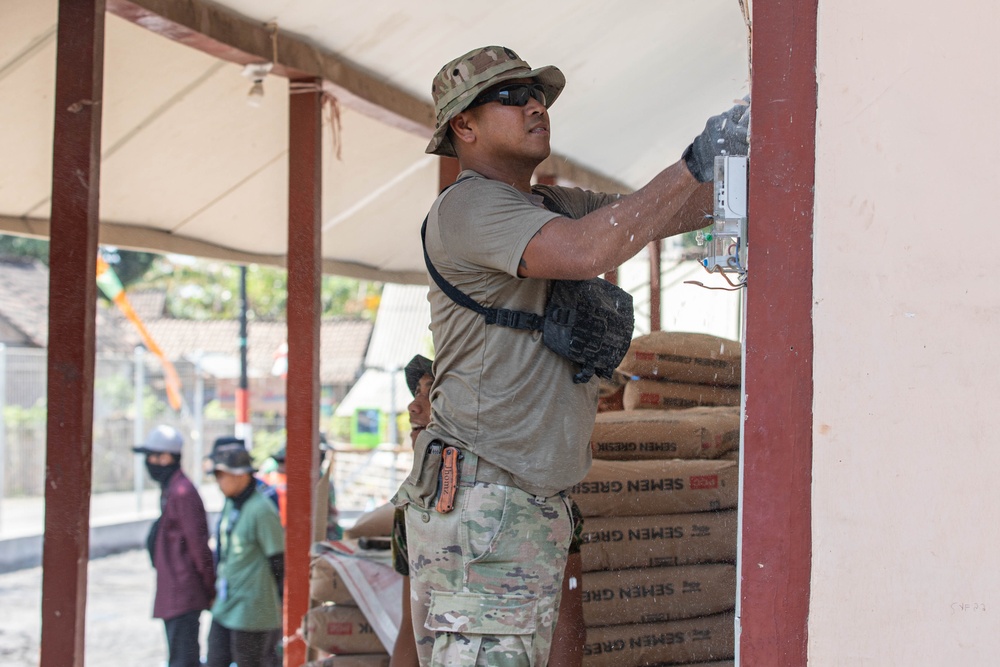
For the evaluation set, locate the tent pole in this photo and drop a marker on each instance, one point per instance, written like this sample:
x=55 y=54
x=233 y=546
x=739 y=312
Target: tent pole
x=305 y=151
x=76 y=170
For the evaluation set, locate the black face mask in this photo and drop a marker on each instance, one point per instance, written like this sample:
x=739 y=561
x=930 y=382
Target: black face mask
x=161 y=473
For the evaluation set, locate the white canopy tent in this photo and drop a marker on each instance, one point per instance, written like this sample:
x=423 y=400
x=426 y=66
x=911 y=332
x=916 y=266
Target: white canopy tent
x=188 y=166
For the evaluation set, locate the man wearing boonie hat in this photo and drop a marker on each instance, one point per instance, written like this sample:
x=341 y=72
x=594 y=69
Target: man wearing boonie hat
x=178 y=546
x=486 y=576
x=250 y=572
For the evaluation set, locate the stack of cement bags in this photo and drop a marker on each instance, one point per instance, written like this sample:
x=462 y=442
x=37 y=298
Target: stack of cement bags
x=659 y=581
x=671 y=370
x=357 y=596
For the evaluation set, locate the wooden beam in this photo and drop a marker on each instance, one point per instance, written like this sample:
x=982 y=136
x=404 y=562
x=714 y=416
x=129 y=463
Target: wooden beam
x=775 y=559
x=135 y=237
x=654 y=248
x=305 y=186
x=226 y=35
x=76 y=181
x=565 y=170
x=219 y=32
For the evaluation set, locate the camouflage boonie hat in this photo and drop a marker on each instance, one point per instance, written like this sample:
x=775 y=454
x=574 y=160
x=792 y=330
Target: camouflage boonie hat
x=460 y=81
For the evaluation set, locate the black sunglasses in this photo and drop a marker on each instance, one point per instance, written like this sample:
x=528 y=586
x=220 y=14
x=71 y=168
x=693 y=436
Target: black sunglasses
x=516 y=95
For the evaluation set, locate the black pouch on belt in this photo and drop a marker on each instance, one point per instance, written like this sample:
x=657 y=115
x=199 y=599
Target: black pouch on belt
x=421 y=486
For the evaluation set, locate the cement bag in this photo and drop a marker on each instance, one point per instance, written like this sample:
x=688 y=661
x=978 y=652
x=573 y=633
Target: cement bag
x=369 y=660
x=685 y=641
x=662 y=395
x=644 y=488
x=325 y=584
x=695 y=358
x=619 y=542
x=656 y=594
x=337 y=629
x=695 y=433
x=377 y=523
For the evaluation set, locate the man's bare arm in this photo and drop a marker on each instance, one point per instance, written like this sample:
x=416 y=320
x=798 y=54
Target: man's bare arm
x=672 y=203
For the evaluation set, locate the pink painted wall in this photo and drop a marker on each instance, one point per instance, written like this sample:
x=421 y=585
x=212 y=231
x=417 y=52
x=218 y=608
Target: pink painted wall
x=906 y=517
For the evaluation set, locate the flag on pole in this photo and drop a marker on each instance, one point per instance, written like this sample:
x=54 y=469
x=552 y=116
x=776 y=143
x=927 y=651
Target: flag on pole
x=108 y=282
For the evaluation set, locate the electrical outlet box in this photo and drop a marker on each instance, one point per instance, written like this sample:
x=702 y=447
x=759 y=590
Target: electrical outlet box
x=725 y=241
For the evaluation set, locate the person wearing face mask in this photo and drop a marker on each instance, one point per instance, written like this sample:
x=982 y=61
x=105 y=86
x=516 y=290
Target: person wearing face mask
x=178 y=546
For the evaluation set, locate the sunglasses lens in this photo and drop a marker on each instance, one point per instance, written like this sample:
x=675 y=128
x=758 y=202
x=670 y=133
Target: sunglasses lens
x=516 y=95
x=519 y=94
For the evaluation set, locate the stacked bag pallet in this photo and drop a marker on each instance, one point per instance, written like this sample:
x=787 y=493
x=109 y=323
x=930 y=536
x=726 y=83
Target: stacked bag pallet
x=346 y=630
x=659 y=551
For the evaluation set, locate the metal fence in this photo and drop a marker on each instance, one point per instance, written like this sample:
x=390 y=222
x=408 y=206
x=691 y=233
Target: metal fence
x=363 y=478
x=129 y=399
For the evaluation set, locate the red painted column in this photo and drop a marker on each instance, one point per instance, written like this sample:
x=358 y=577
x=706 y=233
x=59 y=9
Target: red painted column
x=777 y=448
x=76 y=170
x=305 y=143
x=655 y=322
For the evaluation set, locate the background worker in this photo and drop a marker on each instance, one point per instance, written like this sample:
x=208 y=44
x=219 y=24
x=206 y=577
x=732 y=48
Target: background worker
x=178 y=546
x=507 y=402
x=250 y=571
x=263 y=487
x=570 y=632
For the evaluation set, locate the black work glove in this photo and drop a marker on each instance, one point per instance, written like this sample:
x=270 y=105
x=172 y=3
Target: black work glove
x=725 y=134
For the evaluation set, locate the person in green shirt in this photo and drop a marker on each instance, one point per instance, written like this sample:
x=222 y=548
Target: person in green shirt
x=250 y=553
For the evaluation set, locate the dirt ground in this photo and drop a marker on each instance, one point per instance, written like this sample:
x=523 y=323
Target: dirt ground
x=119 y=629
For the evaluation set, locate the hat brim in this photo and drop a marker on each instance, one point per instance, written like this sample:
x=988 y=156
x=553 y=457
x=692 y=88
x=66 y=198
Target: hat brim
x=549 y=76
x=418 y=367
x=238 y=470
x=147 y=450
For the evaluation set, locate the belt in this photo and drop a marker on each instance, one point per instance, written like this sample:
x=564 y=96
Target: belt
x=475 y=469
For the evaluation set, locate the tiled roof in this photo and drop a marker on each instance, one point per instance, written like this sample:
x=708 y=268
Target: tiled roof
x=24 y=299
x=148 y=304
x=24 y=294
x=24 y=285
x=343 y=343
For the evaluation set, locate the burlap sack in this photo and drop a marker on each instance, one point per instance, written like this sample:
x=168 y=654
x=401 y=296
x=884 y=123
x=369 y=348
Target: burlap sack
x=340 y=629
x=695 y=358
x=695 y=433
x=645 y=488
x=685 y=641
x=371 y=660
x=662 y=395
x=656 y=594
x=618 y=542
x=325 y=584
x=377 y=523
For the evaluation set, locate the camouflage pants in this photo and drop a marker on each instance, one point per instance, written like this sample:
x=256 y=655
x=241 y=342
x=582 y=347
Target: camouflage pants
x=485 y=579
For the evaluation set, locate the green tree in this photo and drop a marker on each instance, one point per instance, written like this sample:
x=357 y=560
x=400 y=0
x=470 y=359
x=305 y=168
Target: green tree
x=206 y=289
x=21 y=246
x=129 y=265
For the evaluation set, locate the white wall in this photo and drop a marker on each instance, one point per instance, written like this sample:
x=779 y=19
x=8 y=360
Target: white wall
x=906 y=518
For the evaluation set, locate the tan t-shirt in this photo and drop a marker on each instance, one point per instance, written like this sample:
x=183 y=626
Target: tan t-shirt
x=500 y=392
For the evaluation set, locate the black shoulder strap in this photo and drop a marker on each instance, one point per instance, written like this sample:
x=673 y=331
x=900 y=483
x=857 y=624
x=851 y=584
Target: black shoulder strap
x=502 y=317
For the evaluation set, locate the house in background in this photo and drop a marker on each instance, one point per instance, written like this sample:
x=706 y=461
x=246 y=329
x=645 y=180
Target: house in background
x=213 y=346
x=381 y=395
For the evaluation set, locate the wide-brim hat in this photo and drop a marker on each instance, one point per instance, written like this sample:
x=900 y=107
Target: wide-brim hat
x=418 y=367
x=231 y=458
x=162 y=439
x=460 y=82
